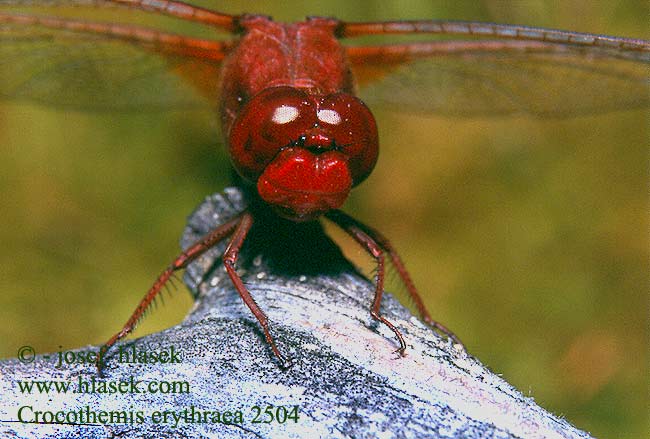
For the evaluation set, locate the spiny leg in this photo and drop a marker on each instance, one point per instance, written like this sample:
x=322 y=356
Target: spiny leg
x=229 y=260
x=404 y=275
x=350 y=226
x=189 y=255
x=410 y=286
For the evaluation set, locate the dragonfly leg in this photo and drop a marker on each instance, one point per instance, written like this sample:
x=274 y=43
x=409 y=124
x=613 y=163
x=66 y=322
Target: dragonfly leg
x=229 y=261
x=404 y=275
x=355 y=230
x=189 y=255
x=410 y=286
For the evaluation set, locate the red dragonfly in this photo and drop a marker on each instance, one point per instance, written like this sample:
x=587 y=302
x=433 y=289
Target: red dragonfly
x=286 y=92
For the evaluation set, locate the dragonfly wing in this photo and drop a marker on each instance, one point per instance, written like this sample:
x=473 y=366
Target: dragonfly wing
x=543 y=83
x=172 y=8
x=85 y=65
x=544 y=72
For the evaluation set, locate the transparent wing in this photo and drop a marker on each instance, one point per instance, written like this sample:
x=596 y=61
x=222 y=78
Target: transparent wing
x=172 y=8
x=537 y=71
x=66 y=62
x=480 y=83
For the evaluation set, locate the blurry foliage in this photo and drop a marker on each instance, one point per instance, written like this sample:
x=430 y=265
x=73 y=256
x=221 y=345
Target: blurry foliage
x=528 y=238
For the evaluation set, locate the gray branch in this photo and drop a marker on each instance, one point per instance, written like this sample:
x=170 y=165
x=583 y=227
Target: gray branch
x=346 y=380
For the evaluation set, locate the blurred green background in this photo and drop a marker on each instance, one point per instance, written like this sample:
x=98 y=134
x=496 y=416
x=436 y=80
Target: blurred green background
x=529 y=238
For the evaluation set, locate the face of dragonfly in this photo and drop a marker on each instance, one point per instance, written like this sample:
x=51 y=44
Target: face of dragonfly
x=503 y=204
x=304 y=152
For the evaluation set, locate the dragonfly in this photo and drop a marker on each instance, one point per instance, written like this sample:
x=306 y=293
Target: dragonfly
x=286 y=96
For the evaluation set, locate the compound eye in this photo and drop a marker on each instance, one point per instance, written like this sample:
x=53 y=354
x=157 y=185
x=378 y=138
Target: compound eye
x=353 y=127
x=270 y=121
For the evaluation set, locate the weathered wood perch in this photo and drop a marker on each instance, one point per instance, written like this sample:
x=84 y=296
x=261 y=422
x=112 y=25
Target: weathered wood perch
x=346 y=381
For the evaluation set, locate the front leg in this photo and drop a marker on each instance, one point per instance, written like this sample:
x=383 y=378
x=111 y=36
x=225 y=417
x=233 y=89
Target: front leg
x=229 y=261
x=364 y=235
x=351 y=226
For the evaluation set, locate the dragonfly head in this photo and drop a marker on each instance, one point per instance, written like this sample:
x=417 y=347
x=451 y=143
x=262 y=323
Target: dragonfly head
x=304 y=152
